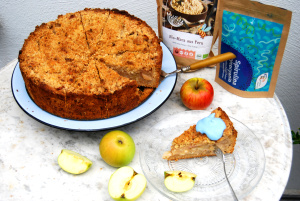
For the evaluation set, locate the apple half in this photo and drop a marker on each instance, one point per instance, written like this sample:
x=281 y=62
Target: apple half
x=179 y=181
x=126 y=184
x=73 y=162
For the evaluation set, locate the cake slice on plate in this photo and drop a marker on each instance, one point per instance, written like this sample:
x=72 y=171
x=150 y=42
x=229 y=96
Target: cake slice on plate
x=200 y=140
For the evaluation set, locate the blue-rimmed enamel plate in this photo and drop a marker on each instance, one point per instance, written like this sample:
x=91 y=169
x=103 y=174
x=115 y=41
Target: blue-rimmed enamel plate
x=157 y=98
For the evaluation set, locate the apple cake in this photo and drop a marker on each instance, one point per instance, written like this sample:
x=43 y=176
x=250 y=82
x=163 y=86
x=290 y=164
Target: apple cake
x=91 y=64
x=192 y=144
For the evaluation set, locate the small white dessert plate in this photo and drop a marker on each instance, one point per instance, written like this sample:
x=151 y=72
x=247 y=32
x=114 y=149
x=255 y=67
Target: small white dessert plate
x=157 y=99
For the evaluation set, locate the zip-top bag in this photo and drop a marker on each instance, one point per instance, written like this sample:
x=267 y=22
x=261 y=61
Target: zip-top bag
x=256 y=33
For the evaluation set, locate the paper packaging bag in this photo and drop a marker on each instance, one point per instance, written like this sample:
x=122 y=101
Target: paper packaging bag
x=257 y=35
x=189 y=37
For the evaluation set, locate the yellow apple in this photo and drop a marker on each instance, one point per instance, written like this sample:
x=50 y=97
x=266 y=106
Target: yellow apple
x=73 y=162
x=179 y=181
x=117 y=148
x=126 y=184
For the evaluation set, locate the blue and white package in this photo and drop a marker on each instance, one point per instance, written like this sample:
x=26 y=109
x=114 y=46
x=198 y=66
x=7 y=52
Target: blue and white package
x=258 y=42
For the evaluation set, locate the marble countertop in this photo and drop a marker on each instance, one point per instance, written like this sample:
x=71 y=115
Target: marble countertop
x=29 y=149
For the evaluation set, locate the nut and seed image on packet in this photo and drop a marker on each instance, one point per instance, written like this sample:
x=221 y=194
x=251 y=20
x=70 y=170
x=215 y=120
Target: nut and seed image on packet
x=186 y=27
x=256 y=33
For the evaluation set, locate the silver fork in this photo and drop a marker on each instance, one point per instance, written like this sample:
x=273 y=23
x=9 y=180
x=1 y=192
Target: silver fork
x=221 y=156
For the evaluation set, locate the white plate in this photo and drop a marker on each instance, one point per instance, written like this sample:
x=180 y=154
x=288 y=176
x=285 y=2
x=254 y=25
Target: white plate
x=157 y=98
x=244 y=167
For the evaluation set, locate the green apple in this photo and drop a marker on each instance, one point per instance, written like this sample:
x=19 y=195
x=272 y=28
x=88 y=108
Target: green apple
x=126 y=184
x=117 y=148
x=73 y=162
x=179 y=181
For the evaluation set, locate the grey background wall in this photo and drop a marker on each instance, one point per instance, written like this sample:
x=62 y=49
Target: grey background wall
x=18 y=18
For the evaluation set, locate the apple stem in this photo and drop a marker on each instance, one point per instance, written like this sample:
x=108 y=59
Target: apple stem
x=120 y=142
x=197 y=85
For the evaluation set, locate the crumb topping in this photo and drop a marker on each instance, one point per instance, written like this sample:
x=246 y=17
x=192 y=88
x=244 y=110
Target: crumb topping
x=89 y=64
x=192 y=137
x=93 y=51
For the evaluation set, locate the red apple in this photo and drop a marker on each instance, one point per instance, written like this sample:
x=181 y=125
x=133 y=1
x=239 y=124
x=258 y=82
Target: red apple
x=197 y=93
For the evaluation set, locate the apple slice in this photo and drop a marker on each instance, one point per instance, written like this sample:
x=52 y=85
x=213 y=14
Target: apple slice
x=179 y=181
x=73 y=162
x=126 y=184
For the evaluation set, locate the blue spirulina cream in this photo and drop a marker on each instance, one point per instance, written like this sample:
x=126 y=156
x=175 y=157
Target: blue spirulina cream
x=211 y=126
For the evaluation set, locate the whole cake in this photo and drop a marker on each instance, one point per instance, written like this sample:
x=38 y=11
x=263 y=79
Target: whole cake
x=91 y=64
x=192 y=143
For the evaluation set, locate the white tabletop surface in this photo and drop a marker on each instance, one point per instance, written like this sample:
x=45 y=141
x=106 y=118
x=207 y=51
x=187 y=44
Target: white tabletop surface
x=29 y=149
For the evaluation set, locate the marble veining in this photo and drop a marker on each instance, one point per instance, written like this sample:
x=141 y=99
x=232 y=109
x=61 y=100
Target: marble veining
x=29 y=149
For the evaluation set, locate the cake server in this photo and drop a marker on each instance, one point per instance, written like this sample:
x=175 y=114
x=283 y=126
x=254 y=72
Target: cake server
x=220 y=155
x=202 y=63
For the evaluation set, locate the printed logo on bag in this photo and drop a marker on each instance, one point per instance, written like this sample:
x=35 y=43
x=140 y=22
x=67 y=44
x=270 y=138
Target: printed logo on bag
x=184 y=53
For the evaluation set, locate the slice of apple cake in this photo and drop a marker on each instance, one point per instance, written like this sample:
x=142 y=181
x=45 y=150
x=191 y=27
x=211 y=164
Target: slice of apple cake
x=192 y=143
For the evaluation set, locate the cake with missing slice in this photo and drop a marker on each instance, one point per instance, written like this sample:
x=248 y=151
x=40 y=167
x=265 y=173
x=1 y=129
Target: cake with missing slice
x=192 y=143
x=91 y=64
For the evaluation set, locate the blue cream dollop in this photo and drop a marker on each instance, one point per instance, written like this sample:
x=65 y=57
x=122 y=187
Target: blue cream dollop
x=211 y=126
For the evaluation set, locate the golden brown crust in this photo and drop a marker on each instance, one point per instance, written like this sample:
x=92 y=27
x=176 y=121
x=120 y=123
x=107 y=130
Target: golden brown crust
x=64 y=68
x=228 y=140
x=144 y=93
x=130 y=47
x=191 y=139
